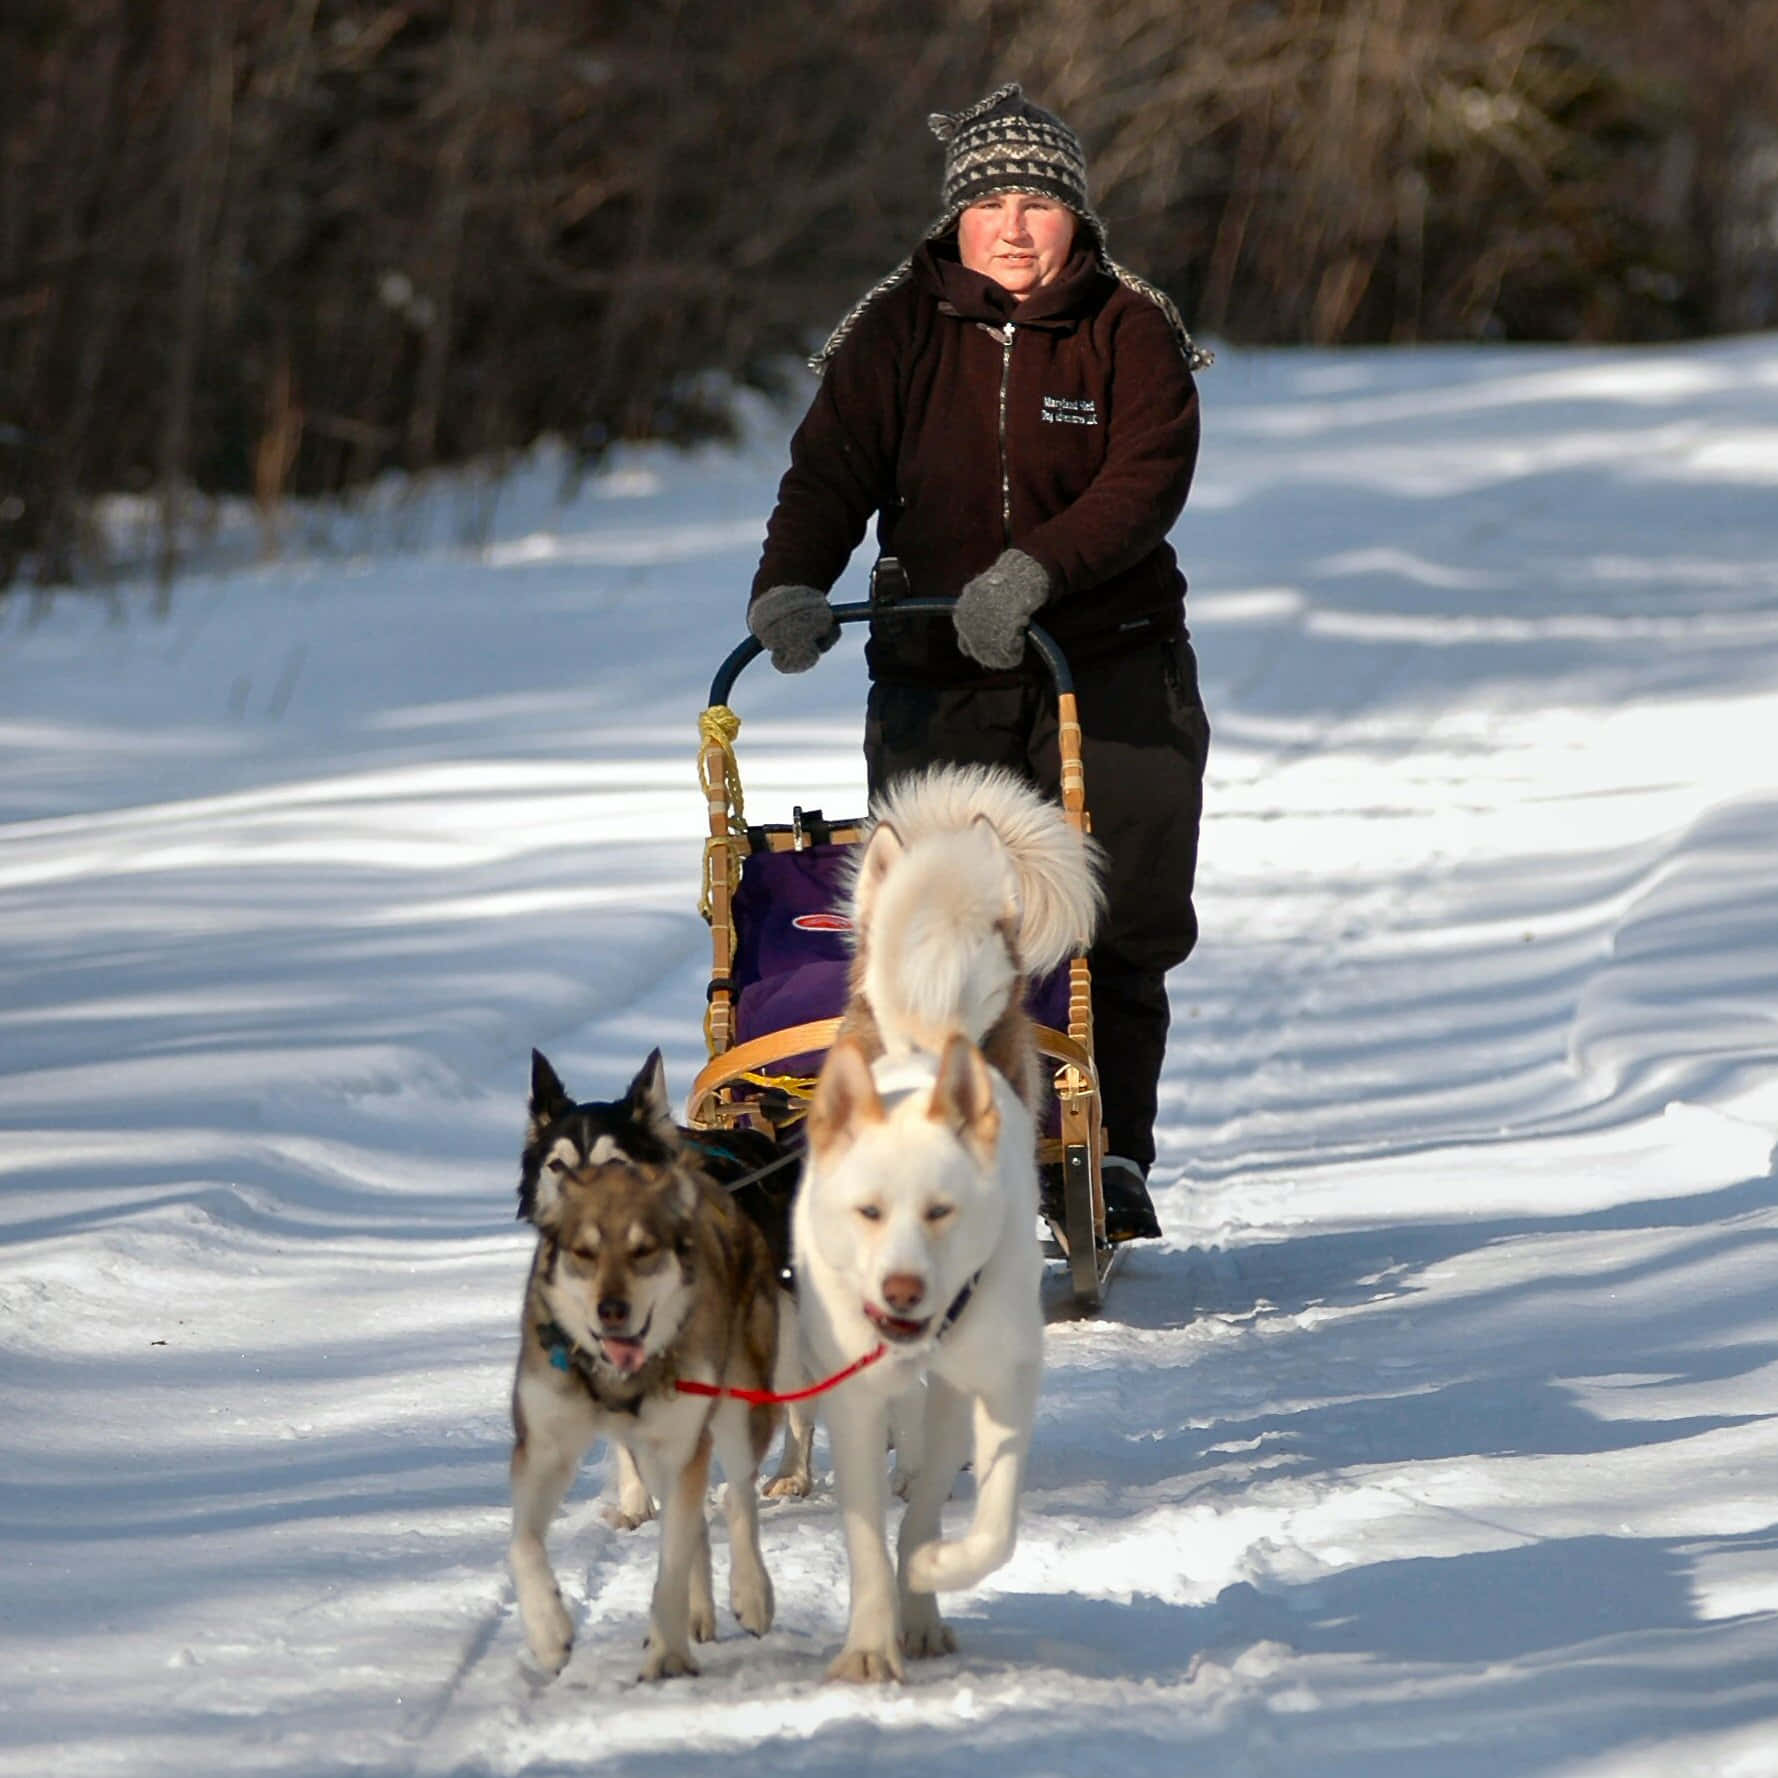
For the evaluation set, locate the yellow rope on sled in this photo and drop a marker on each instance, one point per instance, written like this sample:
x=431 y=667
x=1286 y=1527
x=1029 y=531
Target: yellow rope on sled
x=717 y=727
x=798 y=1091
x=719 y=774
x=797 y=1086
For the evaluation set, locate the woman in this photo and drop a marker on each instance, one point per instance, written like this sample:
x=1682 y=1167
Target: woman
x=1018 y=413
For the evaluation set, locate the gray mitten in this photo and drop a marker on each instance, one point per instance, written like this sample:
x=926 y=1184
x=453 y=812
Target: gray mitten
x=994 y=608
x=796 y=623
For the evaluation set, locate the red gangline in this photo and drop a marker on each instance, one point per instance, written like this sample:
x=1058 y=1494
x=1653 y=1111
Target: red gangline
x=760 y=1398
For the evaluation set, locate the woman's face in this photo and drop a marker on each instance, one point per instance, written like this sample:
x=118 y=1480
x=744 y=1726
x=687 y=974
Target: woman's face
x=1021 y=242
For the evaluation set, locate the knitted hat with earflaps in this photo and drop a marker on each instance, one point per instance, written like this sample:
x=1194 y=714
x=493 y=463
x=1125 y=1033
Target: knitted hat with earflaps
x=1004 y=143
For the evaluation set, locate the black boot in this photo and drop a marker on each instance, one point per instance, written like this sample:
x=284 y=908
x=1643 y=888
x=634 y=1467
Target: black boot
x=1129 y=1211
x=1129 y=1214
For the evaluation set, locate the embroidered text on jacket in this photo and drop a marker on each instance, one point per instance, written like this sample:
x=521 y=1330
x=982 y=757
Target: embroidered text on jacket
x=1066 y=410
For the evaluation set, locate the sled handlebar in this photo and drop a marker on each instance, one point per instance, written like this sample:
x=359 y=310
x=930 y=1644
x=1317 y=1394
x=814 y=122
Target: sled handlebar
x=862 y=612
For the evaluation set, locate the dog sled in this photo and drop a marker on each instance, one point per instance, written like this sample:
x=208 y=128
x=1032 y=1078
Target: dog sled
x=781 y=952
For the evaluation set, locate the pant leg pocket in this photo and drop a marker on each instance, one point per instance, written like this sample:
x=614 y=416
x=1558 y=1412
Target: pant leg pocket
x=1185 y=703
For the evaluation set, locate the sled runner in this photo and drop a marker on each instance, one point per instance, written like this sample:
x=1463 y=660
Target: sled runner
x=773 y=896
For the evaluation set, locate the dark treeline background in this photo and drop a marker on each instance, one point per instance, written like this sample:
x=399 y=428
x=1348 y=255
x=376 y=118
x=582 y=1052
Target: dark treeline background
x=280 y=246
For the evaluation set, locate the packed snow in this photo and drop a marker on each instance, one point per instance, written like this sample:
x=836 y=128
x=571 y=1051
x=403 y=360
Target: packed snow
x=1439 y=1435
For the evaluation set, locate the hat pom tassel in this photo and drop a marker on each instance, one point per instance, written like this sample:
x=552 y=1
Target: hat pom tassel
x=945 y=124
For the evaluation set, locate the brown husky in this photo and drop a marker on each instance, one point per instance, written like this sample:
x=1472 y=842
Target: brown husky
x=645 y=1277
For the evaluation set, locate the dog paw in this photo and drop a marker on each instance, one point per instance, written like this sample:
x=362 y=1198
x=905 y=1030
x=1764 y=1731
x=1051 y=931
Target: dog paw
x=549 y=1633
x=924 y=1634
x=667 y=1663
x=702 y=1620
x=926 y=1642
x=866 y=1666
x=752 y=1602
x=631 y=1503
x=787 y=1487
x=628 y=1518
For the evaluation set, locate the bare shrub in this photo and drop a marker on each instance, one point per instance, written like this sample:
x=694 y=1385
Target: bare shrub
x=279 y=246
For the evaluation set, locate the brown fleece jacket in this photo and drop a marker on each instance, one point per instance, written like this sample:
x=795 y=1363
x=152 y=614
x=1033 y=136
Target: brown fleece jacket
x=1065 y=426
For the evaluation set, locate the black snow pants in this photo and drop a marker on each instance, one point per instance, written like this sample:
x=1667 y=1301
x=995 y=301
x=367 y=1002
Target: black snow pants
x=1145 y=739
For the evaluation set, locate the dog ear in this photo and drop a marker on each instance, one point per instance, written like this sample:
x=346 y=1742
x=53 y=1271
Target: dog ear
x=549 y=1100
x=963 y=1099
x=540 y=1185
x=983 y=831
x=881 y=852
x=540 y=1194
x=845 y=1099
x=648 y=1102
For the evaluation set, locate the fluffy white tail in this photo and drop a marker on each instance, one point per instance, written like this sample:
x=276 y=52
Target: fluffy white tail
x=971 y=880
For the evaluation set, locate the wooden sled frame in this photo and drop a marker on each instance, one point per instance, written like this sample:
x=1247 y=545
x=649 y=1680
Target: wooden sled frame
x=727 y=1091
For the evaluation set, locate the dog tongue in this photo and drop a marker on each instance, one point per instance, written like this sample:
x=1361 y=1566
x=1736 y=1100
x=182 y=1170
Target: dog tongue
x=629 y=1355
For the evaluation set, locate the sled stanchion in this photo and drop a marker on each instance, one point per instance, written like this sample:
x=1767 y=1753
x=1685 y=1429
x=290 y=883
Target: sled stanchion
x=1083 y=1241
x=1072 y=772
x=720 y=778
x=1072 y=769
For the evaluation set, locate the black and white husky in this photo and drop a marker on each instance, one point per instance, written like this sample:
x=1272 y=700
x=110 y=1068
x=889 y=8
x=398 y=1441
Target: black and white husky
x=915 y=1228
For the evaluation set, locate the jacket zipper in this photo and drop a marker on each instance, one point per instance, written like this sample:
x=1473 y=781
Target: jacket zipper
x=1005 y=467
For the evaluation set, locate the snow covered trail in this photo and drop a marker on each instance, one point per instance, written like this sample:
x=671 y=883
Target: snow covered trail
x=1440 y=1436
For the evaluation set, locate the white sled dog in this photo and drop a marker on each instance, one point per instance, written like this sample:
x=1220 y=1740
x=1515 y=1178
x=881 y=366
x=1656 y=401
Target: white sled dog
x=970 y=886
x=915 y=1229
